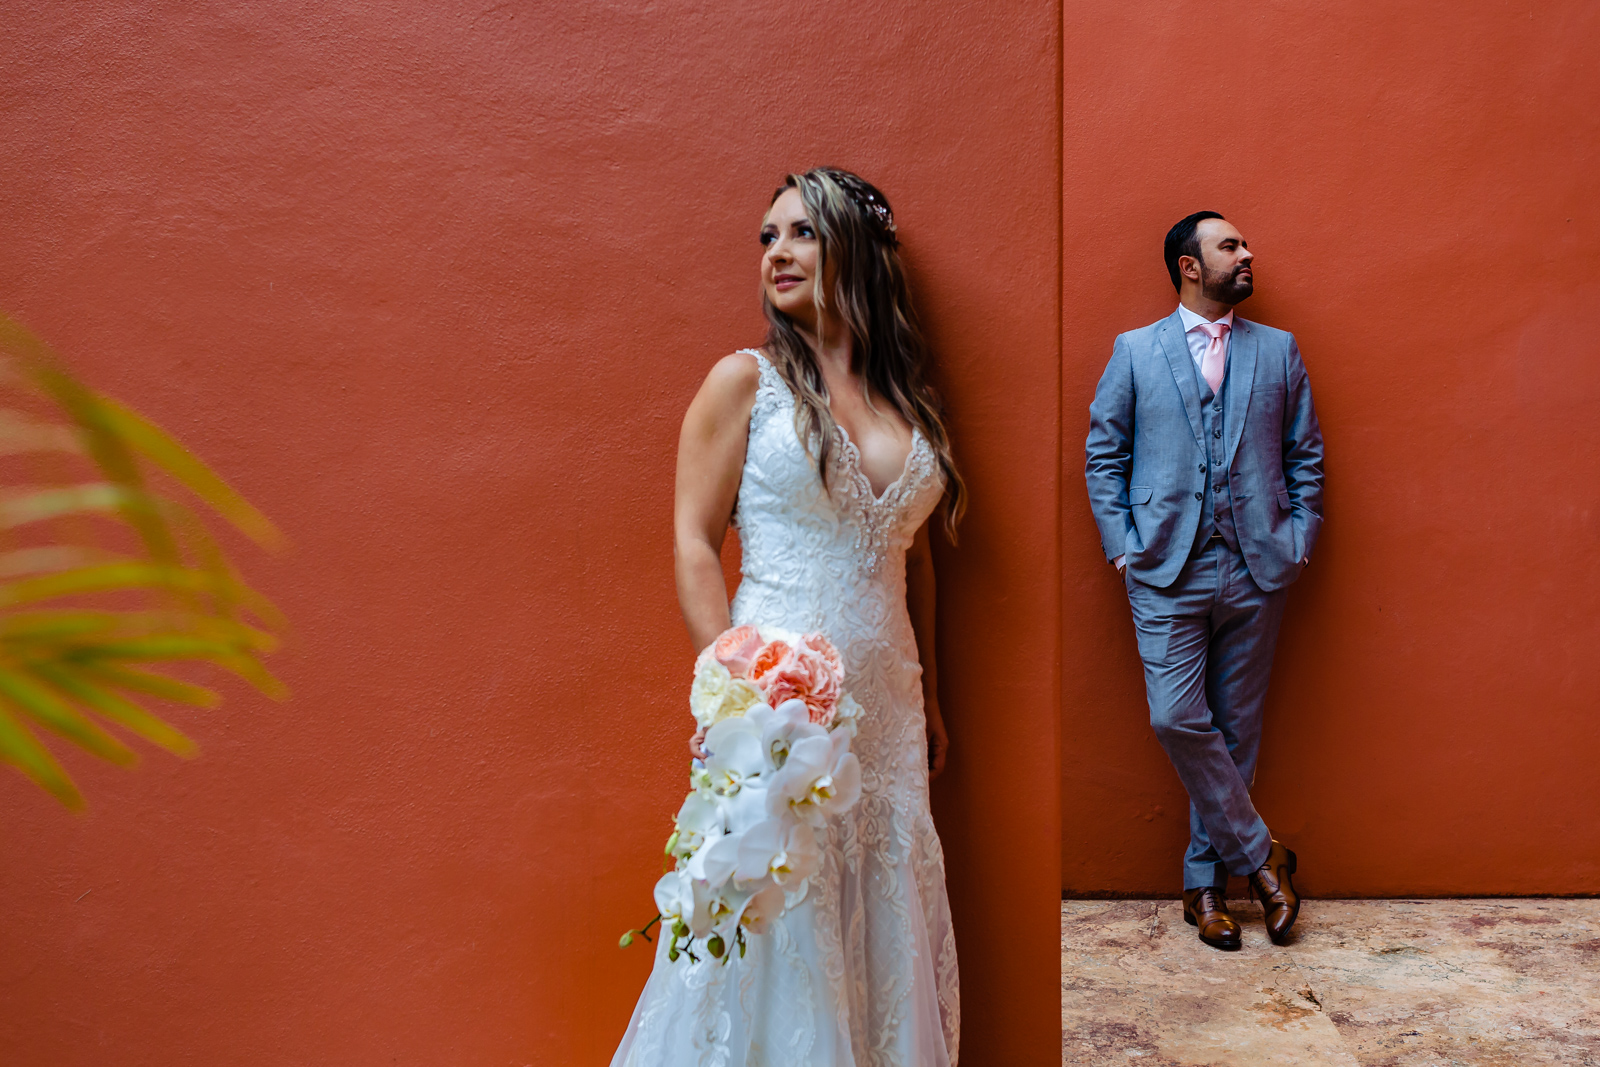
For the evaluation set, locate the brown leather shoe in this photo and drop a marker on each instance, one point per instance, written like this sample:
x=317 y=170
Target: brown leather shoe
x=1273 y=885
x=1205 y=910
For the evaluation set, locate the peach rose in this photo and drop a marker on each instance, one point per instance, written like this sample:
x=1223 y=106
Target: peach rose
x=820 y=644
x=807 y=673
x=766 y=660
x=736 y=648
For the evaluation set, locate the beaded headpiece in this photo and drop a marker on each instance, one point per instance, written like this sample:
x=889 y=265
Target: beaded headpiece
x=866 y=197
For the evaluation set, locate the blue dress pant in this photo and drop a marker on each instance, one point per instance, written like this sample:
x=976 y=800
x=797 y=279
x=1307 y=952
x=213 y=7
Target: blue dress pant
x=1207 y=643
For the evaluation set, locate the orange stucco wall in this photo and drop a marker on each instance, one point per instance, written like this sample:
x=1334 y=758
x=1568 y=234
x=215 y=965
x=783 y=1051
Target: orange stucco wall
x=433 y=284
x=1419 y=183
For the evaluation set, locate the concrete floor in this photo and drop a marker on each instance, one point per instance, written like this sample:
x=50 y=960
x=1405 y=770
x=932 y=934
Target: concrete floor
x=1374 y=983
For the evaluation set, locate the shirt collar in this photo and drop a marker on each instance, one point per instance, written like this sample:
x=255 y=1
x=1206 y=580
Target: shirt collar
x=1191 y=320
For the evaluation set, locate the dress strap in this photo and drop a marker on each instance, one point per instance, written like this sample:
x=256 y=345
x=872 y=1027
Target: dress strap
x=772 y=392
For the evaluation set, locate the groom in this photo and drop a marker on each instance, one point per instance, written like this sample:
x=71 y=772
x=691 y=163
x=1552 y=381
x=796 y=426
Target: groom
x=1205 y=478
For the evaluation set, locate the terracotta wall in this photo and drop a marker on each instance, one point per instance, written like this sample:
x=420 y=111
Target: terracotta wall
x=433 y=283
x=1418 y=181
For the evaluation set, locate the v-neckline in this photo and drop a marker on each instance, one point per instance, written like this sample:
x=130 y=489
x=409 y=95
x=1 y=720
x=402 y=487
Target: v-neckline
x=852 y=454
x=853 y=457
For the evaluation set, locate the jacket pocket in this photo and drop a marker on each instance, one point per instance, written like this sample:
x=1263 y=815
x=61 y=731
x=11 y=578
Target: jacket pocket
x=1140 y=494
x=1283 y=500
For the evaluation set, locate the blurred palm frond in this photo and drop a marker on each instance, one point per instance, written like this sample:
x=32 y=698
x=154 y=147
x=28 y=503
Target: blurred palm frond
x=104 y=576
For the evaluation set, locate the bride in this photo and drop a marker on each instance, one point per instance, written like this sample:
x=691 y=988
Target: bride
x=828 y=451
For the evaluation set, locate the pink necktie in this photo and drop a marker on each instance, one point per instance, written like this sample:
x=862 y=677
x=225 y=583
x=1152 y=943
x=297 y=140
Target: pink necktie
x=1212 y=363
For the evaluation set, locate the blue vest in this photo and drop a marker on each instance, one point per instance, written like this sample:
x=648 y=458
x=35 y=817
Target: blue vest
x=1216 y=510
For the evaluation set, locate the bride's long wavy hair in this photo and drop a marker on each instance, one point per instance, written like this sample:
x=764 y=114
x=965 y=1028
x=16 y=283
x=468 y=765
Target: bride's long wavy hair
x=868 y=294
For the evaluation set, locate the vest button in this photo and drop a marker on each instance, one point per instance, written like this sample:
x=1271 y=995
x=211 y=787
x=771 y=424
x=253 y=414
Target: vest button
x=1199 y=496
x=1216 y=433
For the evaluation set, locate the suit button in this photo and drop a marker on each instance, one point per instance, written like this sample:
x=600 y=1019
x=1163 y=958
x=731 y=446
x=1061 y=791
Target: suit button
x=1202 y=468
x=1199 y=496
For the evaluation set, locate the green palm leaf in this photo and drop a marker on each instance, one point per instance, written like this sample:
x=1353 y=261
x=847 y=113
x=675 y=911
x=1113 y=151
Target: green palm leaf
x=81 y=623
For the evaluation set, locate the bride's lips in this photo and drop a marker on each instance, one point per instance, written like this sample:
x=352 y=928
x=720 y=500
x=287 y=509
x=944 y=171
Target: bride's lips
x=784 y=282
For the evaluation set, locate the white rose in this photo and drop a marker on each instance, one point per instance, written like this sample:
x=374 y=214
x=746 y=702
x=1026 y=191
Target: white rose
x=718 y=695
x=710 y=688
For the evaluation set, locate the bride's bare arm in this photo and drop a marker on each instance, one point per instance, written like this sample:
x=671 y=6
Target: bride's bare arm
x=921 y=602
x=710 y=458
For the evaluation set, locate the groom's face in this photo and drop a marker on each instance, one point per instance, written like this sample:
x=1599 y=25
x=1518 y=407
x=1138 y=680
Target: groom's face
x=1225 y=272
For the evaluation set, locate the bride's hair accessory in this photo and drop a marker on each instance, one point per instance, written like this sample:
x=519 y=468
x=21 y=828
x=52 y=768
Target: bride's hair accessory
x=868 y=199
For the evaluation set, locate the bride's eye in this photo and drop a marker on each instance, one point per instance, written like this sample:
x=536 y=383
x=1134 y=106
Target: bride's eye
x=767 y=237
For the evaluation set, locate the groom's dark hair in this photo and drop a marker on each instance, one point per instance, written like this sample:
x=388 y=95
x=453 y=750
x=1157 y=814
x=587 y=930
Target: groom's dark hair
x=1184 y=240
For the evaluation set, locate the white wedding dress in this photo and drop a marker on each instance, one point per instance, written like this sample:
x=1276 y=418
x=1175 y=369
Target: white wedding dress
x=861 y=971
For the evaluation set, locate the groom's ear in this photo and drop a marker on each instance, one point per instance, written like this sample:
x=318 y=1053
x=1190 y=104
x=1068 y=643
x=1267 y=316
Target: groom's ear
x=1189 y=267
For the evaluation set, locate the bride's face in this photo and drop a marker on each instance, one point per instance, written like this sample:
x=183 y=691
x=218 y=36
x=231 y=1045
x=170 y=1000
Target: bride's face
x=789 y=264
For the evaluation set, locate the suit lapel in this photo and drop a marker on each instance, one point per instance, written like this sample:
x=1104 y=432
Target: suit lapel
x=1241 y=376
x=1170 y=338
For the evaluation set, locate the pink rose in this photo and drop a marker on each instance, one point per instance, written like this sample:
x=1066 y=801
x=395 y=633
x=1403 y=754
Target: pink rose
x=736 y=648
x=811 y=672
x=820 y=644
x=766 y=660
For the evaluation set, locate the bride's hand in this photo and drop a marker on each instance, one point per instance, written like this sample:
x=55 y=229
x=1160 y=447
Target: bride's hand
x=938 y=746
x=697 y=744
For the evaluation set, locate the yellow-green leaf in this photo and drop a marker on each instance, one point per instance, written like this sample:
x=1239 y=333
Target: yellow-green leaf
x=49 y=710
x=22 y=750
x=116 y=708
x=150 y=683
x=157 y=445
x=104 y=578
x=91 y=498
x=46 y=559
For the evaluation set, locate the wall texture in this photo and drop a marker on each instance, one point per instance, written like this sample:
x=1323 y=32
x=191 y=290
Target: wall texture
x=1418 y=183
x=434 y=284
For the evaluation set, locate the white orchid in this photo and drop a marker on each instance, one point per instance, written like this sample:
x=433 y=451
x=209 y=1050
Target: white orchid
x=714 y=862
x=821 y=777
x=780 y=848
x=781 y=727
x=748 y=806
x=679 y=900
x=733 y=754
x=698 y=817
x=761 y=907
x=746 y=839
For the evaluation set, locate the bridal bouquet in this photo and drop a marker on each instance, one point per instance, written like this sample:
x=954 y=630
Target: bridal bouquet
x=778 y=763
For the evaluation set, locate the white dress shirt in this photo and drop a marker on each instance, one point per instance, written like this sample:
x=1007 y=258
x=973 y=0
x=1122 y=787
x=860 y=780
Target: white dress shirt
x=1197 y=338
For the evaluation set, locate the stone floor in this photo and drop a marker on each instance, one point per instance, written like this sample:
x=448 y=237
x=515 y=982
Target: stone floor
x=1374 y=983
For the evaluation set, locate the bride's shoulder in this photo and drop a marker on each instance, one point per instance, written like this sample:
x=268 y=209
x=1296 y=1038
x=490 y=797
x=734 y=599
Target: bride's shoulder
x=735 y=377
x=730 y=388
x=742 y=370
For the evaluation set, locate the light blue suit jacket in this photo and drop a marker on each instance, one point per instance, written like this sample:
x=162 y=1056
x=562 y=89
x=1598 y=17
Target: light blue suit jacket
x=1146 y=462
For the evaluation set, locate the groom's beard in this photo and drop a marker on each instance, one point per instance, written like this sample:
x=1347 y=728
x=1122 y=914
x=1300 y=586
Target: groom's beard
x=1225 y=288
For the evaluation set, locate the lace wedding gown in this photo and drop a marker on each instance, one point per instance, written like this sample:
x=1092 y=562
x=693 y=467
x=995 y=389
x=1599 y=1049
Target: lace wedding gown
x=861 y=971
